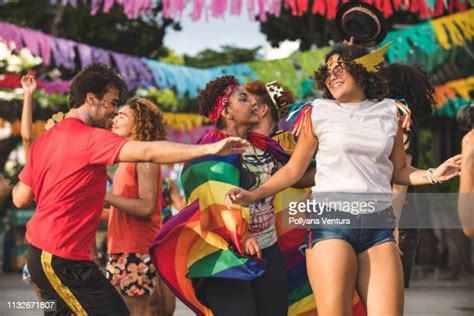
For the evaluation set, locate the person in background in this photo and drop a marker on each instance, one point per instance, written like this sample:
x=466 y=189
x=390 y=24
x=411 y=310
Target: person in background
x=465 y=118
x=163 y=300
x=273 y=104
x=28 y=83
x=172 y=198
x=409 y=84
x=135 y=212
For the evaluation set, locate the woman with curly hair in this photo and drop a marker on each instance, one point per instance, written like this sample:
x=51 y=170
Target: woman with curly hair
x=409 y=84
x=359 y=149
x=135 y=212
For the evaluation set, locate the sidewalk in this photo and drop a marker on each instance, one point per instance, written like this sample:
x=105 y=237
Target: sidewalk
x=425 y=298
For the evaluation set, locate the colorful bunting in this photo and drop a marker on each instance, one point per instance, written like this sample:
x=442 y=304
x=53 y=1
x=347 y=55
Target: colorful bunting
x=427 y=44
x=455 y=29
x=404 y=41
x=184 y=121
x=174 y=9
x=457 y=89
x=180 y=127
x=57 y=86
x=189 y=81
x=132 y=8
x=63 y=52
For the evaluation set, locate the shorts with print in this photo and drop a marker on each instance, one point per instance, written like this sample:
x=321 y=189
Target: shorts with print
x=133 y=273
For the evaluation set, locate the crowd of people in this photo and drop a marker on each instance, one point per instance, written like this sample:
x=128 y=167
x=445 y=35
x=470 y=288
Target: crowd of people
x=360 y=137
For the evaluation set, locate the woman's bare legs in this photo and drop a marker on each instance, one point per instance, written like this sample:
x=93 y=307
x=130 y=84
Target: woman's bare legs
x=380 y=280
x=163 y=301
x=332 y=271
x=137 y=305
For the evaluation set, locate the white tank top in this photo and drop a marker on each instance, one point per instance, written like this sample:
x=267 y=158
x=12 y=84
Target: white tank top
x=355 y=142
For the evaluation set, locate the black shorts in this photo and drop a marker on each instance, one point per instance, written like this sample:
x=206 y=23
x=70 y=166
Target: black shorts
x=78 y=287
x=267 y=295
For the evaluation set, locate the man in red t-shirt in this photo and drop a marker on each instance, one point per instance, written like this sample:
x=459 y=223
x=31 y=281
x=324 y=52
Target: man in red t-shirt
x=66 y=175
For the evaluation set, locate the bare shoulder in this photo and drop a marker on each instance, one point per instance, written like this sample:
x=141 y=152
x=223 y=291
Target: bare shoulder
x=468 y=139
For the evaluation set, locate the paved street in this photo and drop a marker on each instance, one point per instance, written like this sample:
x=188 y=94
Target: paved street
x=447 y=298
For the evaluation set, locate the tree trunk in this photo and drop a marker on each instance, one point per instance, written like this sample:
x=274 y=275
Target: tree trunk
x=57 y=20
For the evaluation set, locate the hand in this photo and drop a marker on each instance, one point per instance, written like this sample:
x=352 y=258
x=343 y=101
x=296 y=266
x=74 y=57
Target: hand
x=449 y=169
x=396 y=235
x=349 y=42
x=228 y=146
x=251 y=246
x=238 y=196
x=28 y=83
x=108 y=197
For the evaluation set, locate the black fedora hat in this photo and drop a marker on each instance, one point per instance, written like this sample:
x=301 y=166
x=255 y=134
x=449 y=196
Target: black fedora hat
x=362 y=21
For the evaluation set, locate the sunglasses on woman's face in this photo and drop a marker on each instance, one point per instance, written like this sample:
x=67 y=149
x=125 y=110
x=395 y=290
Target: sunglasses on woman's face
x=336 y=71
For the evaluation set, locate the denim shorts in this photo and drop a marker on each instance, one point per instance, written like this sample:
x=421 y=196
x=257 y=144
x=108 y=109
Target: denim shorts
x=359 y=237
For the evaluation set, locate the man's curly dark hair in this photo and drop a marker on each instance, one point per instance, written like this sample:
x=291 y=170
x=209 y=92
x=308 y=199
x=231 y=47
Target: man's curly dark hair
x=97 y=79
x=411 y=83
x=209 y=94
x=375 y=85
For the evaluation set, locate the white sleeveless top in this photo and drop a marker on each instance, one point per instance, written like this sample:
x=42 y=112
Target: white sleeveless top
x=355 y=142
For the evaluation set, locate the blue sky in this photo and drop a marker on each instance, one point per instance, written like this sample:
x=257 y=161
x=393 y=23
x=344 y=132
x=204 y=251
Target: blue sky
x=239 y=31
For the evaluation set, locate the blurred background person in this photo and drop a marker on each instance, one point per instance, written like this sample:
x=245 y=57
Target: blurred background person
x=408 y=83
x=465 y=118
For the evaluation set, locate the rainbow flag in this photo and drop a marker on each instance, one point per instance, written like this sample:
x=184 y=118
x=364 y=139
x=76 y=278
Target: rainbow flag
x=204 y=239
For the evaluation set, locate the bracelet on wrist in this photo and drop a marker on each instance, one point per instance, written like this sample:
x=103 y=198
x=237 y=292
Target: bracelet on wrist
x=432 y=177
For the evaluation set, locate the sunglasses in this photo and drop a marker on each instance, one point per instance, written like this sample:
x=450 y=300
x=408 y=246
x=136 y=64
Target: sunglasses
x=337 y=71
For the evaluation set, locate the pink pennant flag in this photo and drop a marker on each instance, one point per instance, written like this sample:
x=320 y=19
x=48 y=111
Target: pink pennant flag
x=198 y=6
x=236 y=7
x=262 y=13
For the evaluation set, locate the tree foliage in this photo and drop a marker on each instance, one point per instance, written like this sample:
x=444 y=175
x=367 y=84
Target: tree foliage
x=310 y=29
x=228 y=55
x=113 y=30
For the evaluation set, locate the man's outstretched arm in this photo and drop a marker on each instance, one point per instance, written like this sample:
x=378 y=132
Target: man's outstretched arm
x=169 y=152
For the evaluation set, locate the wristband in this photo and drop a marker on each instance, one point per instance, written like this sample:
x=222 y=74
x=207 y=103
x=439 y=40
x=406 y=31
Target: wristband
x=432 y=177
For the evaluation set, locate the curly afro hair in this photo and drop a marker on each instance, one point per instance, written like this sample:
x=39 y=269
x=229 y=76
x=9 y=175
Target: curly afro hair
x=149 y=122
x=209 y=94
x=258 y=88
x=375 y=85
x=411 y=83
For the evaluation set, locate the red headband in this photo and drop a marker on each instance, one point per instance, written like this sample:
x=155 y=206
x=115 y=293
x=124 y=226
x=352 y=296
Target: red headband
x=220 y=103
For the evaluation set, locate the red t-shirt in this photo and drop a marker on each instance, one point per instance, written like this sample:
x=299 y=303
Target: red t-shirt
x=127 y=233
x=66 y=170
